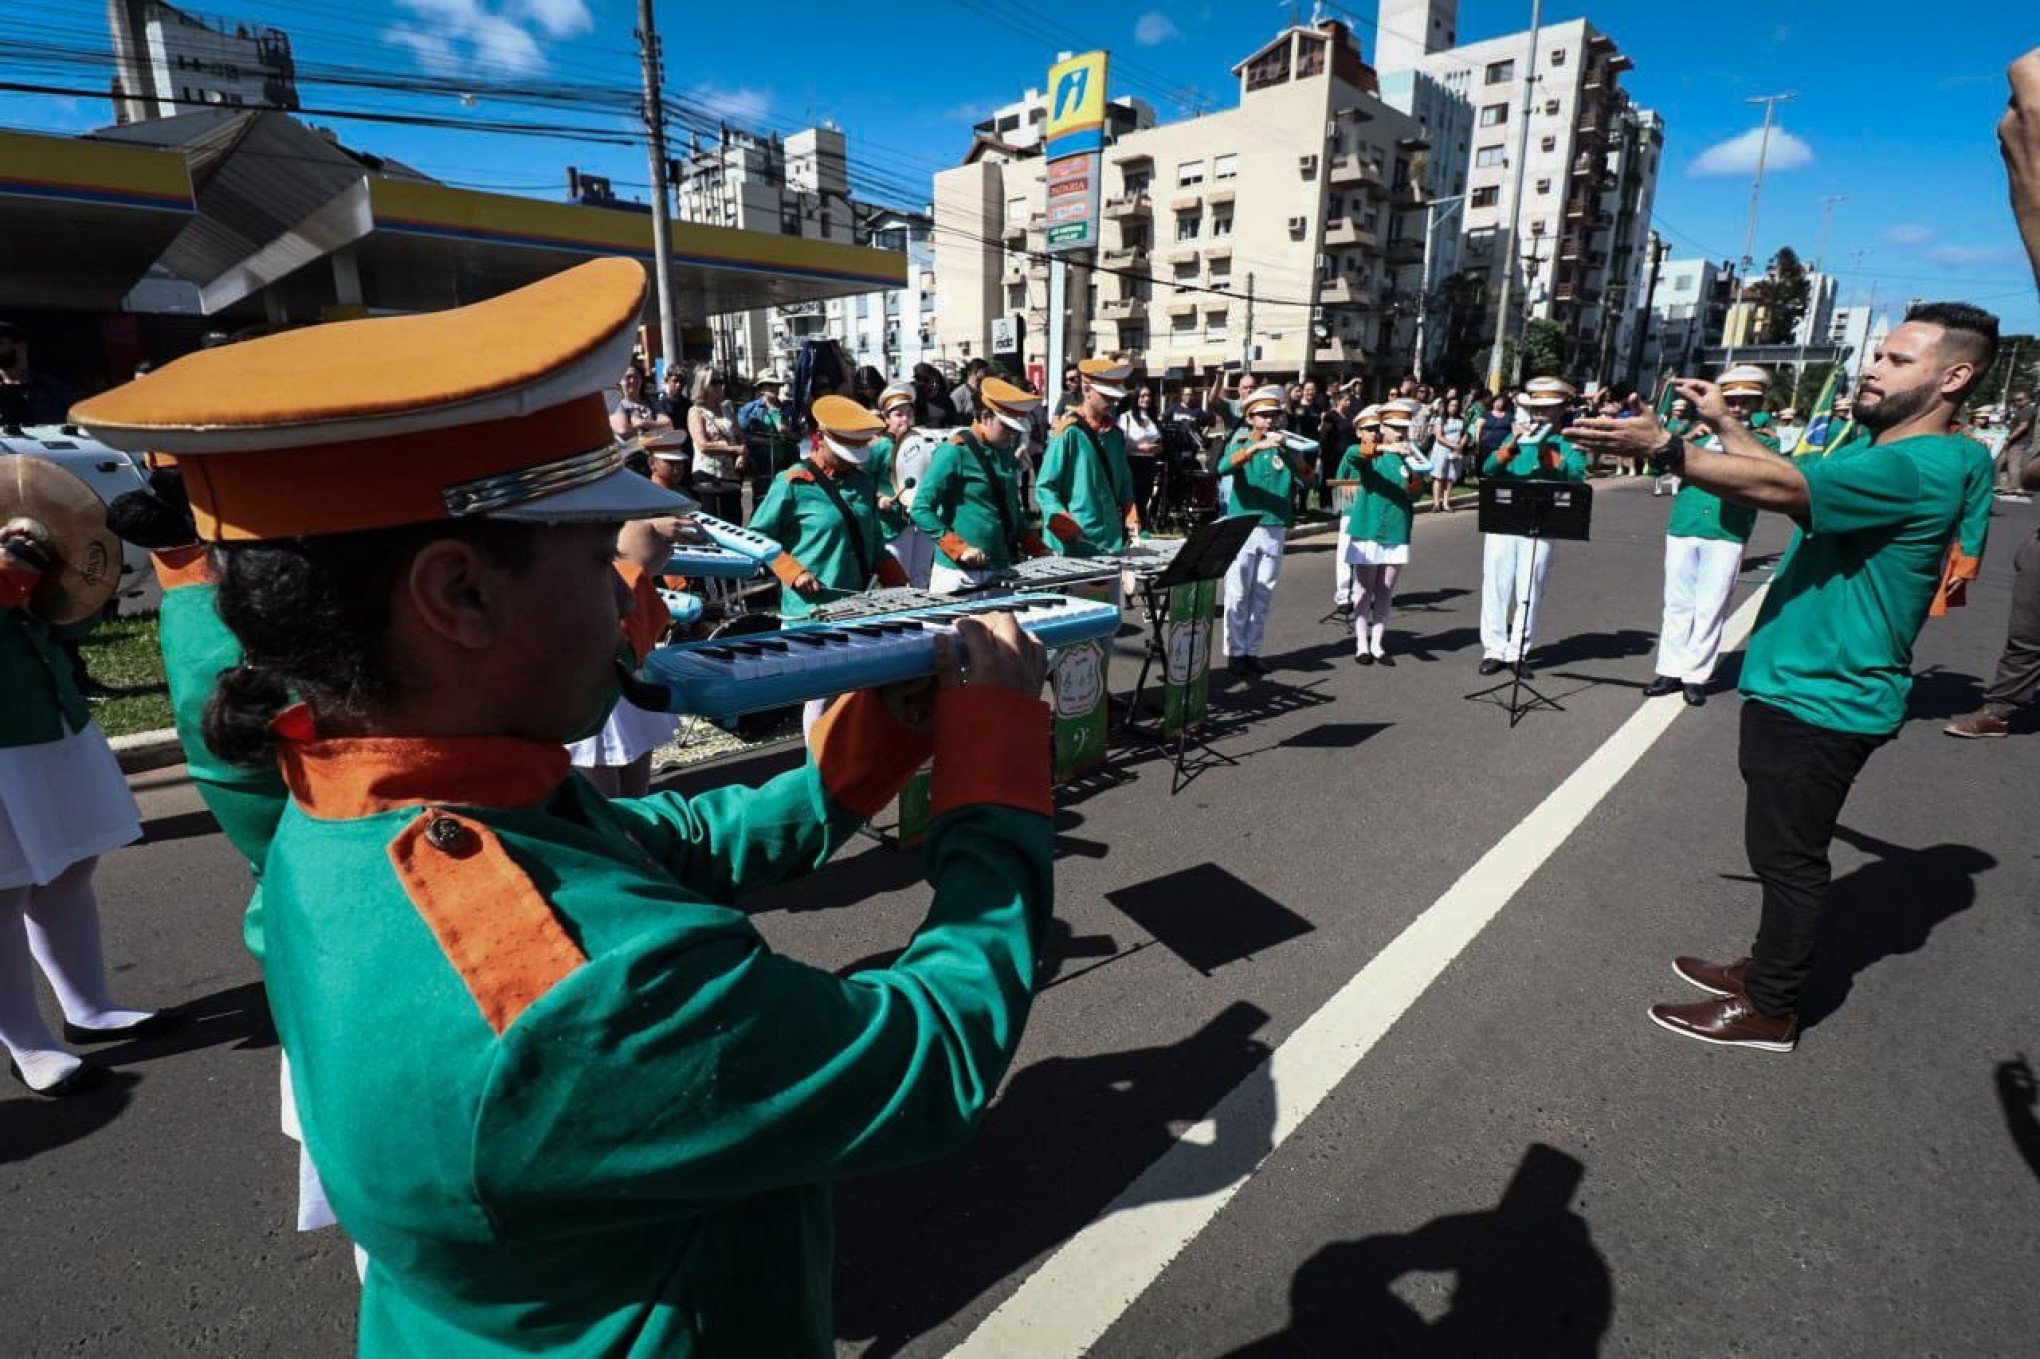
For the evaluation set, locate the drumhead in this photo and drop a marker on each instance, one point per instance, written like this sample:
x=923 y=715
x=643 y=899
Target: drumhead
x=911 y=458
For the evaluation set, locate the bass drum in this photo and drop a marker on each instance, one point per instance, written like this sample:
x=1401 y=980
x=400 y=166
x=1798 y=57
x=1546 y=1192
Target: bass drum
x=752 y=726
x=910 y=461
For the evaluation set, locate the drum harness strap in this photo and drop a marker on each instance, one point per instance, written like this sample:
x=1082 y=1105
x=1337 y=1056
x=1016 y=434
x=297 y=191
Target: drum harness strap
x=856 y=530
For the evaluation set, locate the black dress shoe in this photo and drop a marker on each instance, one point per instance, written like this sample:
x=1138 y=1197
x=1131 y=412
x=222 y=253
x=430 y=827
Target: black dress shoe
x=1696 y=695
x=1238 y=666
x=1524 y=670
x=1490 y=666
x=1659 y=687
x=161 y=1022
x=85 y=1078
x=1363 y=658
x=1257 y=665
x=1384 y=659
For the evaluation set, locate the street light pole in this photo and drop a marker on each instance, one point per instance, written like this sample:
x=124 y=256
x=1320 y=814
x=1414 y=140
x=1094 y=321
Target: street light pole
x=655 y=149
x=1432 y=219
x=1496 y=364
x=1742 y=283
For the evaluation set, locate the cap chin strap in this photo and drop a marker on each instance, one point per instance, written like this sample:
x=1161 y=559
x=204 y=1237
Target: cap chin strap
x=486 y=495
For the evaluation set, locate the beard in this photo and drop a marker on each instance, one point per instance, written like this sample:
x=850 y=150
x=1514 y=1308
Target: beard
x=1892 y=409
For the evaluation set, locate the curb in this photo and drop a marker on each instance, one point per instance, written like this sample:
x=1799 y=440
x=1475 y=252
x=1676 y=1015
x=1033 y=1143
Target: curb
x=141 y=751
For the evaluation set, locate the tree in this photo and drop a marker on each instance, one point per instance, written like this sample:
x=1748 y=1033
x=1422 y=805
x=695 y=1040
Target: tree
x=1547 y=349
x=1466 y=308
x=2017 y=369
x=1781 y=295
x=1807 y=392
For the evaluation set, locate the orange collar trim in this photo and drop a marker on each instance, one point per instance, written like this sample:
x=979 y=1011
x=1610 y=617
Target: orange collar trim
x=181 y=566
x=337 y=779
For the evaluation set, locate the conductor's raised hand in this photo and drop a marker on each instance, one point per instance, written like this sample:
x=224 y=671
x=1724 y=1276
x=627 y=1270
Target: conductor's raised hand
x=2019 y=140
x=996 y=652
x=1638 y=436
x=1708 y=402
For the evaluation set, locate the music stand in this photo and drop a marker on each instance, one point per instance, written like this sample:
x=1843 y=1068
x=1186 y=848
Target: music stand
x=1539 y=511
x=1206 y=555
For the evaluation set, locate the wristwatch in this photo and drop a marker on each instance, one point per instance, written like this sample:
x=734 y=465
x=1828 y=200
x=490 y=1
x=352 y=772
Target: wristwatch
x=1670 y=456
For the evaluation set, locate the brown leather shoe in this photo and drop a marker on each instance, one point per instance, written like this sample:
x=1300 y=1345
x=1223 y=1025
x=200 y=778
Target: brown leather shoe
x=1982 y=722
x=1731 y=1022
x=1716 y=979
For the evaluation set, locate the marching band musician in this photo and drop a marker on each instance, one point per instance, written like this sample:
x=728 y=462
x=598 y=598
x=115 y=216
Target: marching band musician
x=1513 y=567
x=1085 y=486
x=969 y=501
x=1703 y=553
x=1377 y=528
x=911 y=548
x=562 y=1092
x=1366 y=434
x=1264 y=473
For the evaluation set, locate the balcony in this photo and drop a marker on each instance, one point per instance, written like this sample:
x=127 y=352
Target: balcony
x=1347 y=233
x=1187 y=202
x=1014 y=232
x=1344 y=292
x=1129 y=206
x=1126 y=257
x=1132 y=158
x=1222 y=197
x=1338 y=349
x=1406 y=250
x=1015 y=275
x=1124 y=308
x=1575 y=292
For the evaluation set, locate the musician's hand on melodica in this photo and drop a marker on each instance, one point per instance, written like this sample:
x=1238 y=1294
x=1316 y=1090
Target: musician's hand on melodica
x=996 y=651
x=806 y=586
x=972 y=559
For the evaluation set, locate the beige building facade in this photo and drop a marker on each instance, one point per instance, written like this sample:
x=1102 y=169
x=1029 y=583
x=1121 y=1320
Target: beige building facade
x=1286 y=232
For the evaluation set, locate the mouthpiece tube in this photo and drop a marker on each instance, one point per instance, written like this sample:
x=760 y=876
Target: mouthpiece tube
x=645 y=694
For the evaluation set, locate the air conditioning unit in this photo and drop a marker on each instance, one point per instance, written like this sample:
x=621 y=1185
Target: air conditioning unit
x=1307 y=163
x=1297 y=224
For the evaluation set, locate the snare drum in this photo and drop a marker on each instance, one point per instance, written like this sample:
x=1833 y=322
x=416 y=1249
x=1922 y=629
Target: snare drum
x=910 y=461
x=1343 y=495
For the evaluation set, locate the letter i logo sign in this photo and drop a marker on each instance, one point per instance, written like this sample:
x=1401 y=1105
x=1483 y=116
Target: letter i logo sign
x=1069 y=93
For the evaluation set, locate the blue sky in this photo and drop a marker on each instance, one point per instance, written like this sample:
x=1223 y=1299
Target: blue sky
x=1892 y=111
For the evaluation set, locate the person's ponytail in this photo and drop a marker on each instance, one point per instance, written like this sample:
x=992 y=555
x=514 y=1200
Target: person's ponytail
x=245 y=700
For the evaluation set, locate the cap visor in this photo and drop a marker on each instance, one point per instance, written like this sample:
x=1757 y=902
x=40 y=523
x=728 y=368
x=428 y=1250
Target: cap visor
x=1016 y=423
x=1106 y=389
x=622 y=494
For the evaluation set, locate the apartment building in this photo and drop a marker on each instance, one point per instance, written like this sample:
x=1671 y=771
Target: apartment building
x=1286 y=232
x=892 y=330
x=168 y=62
x=1576 y=245
x=1688 y=313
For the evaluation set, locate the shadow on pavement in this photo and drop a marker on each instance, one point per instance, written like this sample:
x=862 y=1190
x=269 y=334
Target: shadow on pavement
x=1427 y=601
x=32 y=1125
x=183 y=826
x=1430 y=646
x=1526 y=1279
x=1938 y=695
x=1067 y=1135
x=1594 y=646
x=1207 y=917
x=238 y=1015
x=1884 y=908
x=2019 y=1093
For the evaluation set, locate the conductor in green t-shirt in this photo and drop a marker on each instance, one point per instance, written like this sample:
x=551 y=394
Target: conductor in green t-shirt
x=1886 y=523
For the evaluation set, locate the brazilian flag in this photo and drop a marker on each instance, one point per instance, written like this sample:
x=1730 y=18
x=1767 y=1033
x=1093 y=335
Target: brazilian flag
x=1823 y=431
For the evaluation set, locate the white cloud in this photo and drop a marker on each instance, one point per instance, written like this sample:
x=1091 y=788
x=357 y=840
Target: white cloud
x=1154 y=28
x=1738 y=155
x=1909 y=233
x=470 y=37
x=742 y=105
x=1965 y=255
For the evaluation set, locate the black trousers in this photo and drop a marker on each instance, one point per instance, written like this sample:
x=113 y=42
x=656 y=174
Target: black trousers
x=2018 y=670
x=1797 y=777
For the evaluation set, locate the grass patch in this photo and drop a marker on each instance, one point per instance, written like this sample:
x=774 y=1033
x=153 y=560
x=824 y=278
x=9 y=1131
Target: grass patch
x=124 y=655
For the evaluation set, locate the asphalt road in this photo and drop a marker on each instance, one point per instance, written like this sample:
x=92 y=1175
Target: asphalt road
x=1522 y=1164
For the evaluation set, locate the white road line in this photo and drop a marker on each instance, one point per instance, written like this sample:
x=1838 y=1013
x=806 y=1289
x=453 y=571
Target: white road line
x=1066 y=1305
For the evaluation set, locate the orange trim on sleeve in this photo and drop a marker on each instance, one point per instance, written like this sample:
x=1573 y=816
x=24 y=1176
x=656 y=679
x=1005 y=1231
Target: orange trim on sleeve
x=1956 y=573
x=181 y=566
x=1065 y=528
x=991 y=747
x=863 y=755
x=952 y=546
x=787 y=567
x=493 y=924
x=890 y=573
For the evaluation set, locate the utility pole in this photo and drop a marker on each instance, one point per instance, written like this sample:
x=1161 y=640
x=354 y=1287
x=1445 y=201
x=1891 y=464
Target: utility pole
x=1770 y=103
x=1247 y=340
x=655 y=148
x=1432 y=218
x=2011 y=371
x=1659 y=248
x=1515 y=217
x=1827 y=217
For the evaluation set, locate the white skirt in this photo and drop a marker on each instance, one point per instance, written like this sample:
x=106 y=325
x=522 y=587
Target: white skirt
x=61 y=802
x=629 y=733
x=1378 y=554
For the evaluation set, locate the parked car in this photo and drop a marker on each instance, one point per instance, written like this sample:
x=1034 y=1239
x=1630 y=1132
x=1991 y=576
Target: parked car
x=109 y=472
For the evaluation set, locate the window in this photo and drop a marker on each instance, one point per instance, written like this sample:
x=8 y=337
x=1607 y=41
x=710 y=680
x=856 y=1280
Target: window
x=1010 y=123
x=1214 y=327
x=1225 y=167
x=1544 y=186
x=1494 y=115
x=1190 y=172
x=1183 y=327
x=1558 y=56
x=1137 y=181
x=1016 y=297
x=1501 y=72
x=1683 y=283
x=1548 y=144
x=1186 y=272
x=1221 y=273
x=1134 y=237
x=1489 y=156
x=1016 y=209
x=1221 y=221
x=1481 y=239
x=1551 y=106
x=1133 y=337
x=1487 y=197
x=1188 y=224
x=1310 y=57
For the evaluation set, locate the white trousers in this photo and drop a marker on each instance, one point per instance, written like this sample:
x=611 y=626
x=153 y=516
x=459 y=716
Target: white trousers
x=1699 y=578
x=1342 y=578
x=1250 y=590
x=915 y=552
x=1510 y=566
